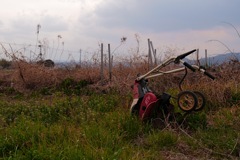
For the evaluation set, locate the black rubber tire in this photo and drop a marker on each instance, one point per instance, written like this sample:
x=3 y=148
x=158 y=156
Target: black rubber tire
x=201 y=100
x=187 y=101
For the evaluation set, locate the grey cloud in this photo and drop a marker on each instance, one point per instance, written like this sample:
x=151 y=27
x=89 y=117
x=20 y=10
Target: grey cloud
x=49 y=23
x=24 y=28
x=54 y=24
x=167 y=15
x=69 y=1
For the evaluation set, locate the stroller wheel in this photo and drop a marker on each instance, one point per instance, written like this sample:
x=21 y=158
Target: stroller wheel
x=201 y=100
x=187 y=101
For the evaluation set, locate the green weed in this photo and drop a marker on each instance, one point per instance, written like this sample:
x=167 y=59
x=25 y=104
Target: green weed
x=162 y=139
x=99 y=126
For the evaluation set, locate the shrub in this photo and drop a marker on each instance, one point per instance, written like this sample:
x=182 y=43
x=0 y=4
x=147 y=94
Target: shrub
x=5 y=64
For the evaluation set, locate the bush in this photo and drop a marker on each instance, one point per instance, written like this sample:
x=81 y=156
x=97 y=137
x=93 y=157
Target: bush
x=70 y=86
x=196 y=121
x=5 y=64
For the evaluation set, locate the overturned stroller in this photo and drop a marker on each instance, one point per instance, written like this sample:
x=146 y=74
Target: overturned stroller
x=147 y=105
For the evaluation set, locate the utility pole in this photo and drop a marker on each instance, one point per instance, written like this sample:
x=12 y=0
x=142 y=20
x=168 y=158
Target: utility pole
x=40 y=53
x=38 y=30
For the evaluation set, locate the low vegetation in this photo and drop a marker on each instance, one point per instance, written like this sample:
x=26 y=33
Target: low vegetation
x=68 y=113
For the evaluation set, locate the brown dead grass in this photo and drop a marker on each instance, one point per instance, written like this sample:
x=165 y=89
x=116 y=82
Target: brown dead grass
x=29 y=77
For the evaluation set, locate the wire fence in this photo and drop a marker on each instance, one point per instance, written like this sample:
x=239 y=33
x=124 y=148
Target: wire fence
x=33 y=52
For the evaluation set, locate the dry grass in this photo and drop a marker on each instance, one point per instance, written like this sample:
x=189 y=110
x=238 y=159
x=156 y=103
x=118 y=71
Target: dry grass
x=26 y=76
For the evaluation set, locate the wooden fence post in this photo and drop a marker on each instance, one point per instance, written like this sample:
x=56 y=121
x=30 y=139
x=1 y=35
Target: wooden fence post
x=206 y=58
x=110 y=63
x=154 y=53
x=198 y=62
x=101 y=72
x=80 y=58
x=149 y=55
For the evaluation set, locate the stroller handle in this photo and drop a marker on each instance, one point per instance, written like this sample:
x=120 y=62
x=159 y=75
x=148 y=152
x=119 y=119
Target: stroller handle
x=182 y=56
x=203 y=70
x=189 y=66
x=209 y=75
x=177 y=60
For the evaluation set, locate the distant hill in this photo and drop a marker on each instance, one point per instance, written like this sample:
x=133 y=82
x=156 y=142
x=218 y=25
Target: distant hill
x=219 y=59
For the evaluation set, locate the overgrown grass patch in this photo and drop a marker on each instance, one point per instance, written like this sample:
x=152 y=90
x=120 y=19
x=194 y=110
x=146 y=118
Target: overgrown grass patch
x=67 y=127
x=219 y=140
x=162 y=139
x=99 y=126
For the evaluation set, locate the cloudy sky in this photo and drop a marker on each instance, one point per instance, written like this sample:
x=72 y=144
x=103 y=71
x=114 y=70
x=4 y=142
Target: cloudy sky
x=70 y=25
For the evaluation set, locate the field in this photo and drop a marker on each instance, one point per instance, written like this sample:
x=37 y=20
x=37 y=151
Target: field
x=68 y=113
